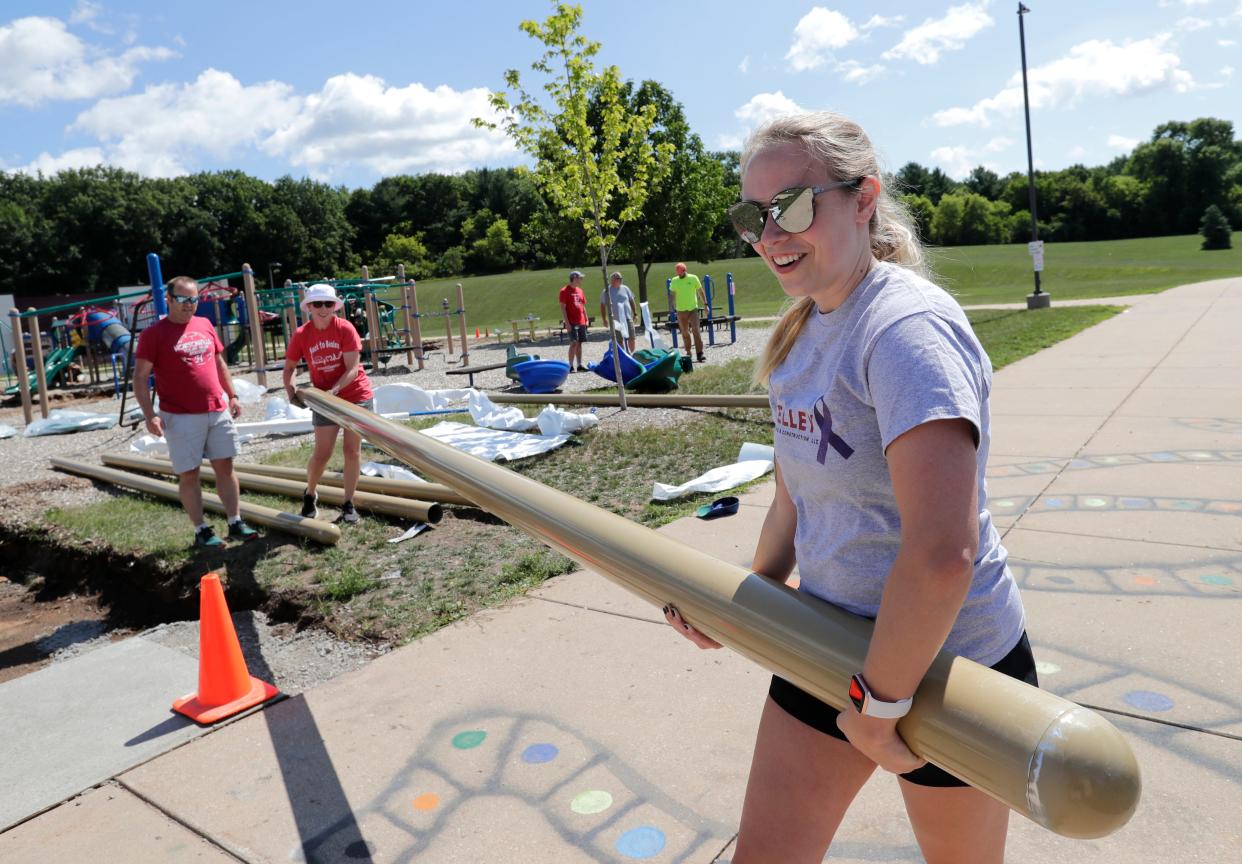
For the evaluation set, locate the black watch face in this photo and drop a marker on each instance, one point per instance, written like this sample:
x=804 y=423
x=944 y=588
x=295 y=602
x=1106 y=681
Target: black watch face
x=857 y=694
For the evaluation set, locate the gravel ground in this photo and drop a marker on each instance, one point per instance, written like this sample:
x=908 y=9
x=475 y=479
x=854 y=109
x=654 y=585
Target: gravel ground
x=29 y=485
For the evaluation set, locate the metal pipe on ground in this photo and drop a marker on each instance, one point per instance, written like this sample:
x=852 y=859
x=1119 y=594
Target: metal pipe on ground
x=423 y=511
x=639 y=400
x=379 y=485
x=1059 y=764
x=311 y=529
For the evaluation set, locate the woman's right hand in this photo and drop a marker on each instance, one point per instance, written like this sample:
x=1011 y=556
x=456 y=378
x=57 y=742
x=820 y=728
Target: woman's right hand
x=673 y=617
x=295 y=398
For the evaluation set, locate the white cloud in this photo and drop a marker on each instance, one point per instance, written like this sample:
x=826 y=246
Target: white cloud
x=83 y=157
x=41 y=61
x=763 y=107
x=1191 y=24
x=876 y=21
x=85 y=12
x=957 y=162
x=1077 y=152
x=1186 y=3
x=162 y=130
x=924 y=43
x=1225 y=72
x=1094 y=68
x=1226 y=43
x=729 y=142
x=744 y=66
x=1120 y=142
x=998 y=144
x=360 y=120
x=856 y=73
x=816 y=35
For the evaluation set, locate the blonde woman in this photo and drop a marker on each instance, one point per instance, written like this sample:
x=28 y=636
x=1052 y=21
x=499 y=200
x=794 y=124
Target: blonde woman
x=879 y=393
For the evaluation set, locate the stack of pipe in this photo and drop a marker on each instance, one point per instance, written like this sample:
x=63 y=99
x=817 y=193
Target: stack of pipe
x=311 y=529
x=422 y=511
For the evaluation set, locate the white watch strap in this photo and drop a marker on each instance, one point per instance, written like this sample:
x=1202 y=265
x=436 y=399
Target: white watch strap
x=887 y=710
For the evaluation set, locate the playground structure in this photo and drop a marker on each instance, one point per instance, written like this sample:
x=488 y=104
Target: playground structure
x=255 y=325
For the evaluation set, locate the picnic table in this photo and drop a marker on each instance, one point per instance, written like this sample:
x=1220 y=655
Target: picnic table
x=518 y=322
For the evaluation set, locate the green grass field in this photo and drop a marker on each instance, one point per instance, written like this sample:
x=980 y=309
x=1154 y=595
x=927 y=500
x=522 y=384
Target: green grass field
x=974 y=274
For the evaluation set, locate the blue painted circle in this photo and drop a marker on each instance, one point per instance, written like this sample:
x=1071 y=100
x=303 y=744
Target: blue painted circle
x=537 y=754
x=1061 y=580
x=1146 y=700
x=1216 y=580
x=645 y=841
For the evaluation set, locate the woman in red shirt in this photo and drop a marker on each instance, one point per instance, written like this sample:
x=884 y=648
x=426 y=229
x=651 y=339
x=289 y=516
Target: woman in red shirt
x=331 y=348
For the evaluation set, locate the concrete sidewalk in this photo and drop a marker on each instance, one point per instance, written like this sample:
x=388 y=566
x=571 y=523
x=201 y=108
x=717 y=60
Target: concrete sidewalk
x=573 y=725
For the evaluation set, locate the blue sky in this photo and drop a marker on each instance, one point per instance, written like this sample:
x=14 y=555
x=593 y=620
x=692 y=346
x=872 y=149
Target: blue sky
x=351 y=92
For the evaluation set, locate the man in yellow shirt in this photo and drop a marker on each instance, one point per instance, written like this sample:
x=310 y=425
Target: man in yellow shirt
x=688 y=299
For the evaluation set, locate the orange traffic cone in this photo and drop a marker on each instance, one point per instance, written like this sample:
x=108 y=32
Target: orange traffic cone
x=476 y=332
x=225 y=687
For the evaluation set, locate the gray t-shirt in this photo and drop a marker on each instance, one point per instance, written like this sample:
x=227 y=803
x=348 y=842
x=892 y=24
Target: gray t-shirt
x=621 y=299
x=897 y=353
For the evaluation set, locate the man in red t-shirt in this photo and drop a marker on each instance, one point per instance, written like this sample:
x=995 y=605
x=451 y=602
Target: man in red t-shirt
x=195 y=419
x=573 y=313
x=332 y=349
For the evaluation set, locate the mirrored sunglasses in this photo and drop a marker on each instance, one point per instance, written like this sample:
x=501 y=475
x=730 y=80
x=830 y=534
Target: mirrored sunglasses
x=183 y=300
x=793 y=210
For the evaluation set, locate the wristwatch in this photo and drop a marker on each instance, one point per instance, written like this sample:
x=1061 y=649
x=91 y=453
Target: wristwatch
x=867 y=704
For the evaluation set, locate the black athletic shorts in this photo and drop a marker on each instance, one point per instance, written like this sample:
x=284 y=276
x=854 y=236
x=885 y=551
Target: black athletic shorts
x=1018 y=663
x=577 y=332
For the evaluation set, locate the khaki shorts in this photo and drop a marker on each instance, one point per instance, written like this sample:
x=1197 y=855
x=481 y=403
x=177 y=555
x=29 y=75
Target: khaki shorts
x=194 y=437
x=318 y=420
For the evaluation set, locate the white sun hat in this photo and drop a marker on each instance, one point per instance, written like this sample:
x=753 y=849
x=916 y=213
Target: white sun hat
x=320 y=291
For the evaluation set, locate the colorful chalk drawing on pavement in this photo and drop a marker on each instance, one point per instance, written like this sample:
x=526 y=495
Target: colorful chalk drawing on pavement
x=1086 y=463
x=569 y=784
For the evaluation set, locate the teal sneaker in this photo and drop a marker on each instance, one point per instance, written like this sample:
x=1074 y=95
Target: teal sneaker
x=205 y=538
x=239 y=530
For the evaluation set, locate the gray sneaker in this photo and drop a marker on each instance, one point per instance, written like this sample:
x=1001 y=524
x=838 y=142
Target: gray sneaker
x=310 y=507
x=349 y=513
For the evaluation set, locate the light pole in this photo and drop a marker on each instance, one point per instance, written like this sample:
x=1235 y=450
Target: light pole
x=272 y=265
x=1040 y=299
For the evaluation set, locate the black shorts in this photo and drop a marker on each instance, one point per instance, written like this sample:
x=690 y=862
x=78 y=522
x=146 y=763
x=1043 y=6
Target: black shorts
x=577 y=332
x=1018 y=663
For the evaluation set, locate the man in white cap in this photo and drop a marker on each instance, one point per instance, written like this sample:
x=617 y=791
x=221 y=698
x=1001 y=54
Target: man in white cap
x=624 y=311
x=332 y=349
x=197 y=407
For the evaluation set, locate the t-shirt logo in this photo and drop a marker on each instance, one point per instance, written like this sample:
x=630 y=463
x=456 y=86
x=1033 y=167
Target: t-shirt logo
x=823 y=420
x=194 y=348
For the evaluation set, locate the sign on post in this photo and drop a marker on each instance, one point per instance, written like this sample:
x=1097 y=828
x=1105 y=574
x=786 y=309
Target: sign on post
x=1036 y=248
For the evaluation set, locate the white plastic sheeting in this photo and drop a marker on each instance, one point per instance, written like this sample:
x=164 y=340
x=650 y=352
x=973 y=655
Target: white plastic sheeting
x=149 y=445
x=657 y=341
x=397 y=398
x=551 y=420
x=753 y=461
x=493 y=445
x=7 y=431
x=248 y=393
x=62 y=421
x=392 y=472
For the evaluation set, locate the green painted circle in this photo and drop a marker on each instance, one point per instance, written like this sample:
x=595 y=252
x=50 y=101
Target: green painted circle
x=1094 y=502
x=469 y=740
x=591 y=801
x=1045 y=668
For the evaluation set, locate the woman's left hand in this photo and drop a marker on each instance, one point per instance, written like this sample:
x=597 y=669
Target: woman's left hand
x=877 y=739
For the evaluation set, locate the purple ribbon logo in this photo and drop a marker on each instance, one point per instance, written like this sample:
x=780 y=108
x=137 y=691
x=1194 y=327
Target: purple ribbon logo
x=823 y=419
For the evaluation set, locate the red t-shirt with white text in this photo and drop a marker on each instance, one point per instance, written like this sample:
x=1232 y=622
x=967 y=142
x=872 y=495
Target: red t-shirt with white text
x=184 y=359
x=575 y=303
x=324 y=353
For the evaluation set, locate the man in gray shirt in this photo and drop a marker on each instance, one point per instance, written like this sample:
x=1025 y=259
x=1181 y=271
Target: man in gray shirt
x=624 y=311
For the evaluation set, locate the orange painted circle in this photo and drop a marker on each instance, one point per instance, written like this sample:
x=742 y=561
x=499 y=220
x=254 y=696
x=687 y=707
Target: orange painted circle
x=427 y=801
